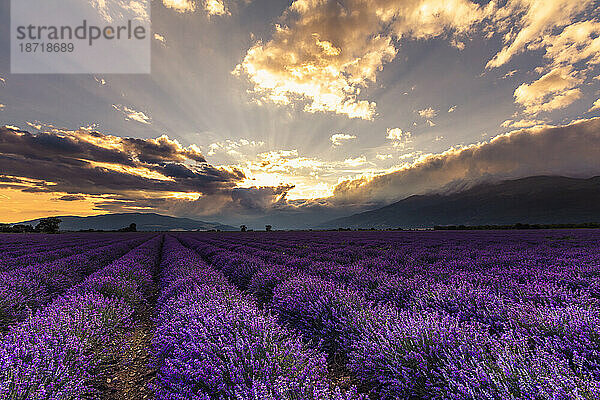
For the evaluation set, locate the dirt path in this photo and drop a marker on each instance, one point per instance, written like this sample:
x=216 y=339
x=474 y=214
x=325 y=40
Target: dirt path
x=128 y=374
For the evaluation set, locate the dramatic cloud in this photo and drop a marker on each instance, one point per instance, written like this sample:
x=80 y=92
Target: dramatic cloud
x=552 y=91
x=216 y=7
x=325 y=53
x=88 y=162
x=577 y=42
x=133 y=115
x=339 y=138
x=571 y=48
x=181 y=6
x=595 y=106
x=130 y=174
x=572 y=150
x=525 y=21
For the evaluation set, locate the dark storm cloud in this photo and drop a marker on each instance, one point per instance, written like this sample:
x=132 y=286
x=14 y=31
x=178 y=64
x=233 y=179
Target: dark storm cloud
x=49 y=146
x=571 y=150
x=161 y=150
x=71 y=197
x=85 y=162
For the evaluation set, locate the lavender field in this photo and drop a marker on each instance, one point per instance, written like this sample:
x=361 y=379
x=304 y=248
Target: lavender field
x=301 y=315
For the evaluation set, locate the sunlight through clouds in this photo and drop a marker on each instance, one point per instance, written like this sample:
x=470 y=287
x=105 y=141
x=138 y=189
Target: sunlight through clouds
x=339 y=138
x=327 y=69
x=181 y=6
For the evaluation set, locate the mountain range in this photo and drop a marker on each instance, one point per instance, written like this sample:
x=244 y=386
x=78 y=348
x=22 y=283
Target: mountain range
x=533 y=200
x=143 y=221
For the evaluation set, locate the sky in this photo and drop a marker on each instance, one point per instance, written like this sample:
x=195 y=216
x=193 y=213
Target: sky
x=292 y=113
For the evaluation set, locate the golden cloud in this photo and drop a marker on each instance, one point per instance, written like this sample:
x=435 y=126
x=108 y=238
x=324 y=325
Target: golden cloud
x=215 y=7
x=552 y=91
x=325 y=54
x=181 y=6
x=535 y=18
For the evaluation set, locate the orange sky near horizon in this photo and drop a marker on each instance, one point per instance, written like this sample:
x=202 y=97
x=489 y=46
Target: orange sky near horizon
x=17 y=206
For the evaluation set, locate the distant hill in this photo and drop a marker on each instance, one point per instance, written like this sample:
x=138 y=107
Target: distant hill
x=533 y=200
x=144 y=222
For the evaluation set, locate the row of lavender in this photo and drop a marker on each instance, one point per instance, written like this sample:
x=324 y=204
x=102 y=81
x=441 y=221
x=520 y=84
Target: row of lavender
x=15 y=245
x=57 y=352
x=24 y=289
x=213 y=342
x=60 y=249
x=403 y=315
x=517 y=316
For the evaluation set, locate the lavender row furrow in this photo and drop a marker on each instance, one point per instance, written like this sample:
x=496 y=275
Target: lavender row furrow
x=455 y=335
x=24 y=290
x=56 y=354
x=16 y=245
x=212 y=342
x=55 y=253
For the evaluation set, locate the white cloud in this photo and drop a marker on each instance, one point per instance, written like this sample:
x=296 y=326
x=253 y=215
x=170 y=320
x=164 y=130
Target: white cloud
x=397 y=134
x=133 y=115
x=398 y=137
x=339 y=138
x=595 y=106
x=235 y=148
x=356 y=162
x=383 y=157
x=427 y=113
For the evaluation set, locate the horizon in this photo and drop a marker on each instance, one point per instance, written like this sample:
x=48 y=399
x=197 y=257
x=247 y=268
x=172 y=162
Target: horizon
x=294 y=112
